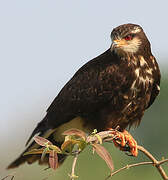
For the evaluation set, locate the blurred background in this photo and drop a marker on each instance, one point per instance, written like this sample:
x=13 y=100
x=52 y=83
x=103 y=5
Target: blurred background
x=42 y=44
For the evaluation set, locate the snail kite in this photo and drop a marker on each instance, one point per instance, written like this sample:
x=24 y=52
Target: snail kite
x=113 y=89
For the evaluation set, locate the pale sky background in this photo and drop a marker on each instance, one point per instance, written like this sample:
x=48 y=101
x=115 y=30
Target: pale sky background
x=43 y=43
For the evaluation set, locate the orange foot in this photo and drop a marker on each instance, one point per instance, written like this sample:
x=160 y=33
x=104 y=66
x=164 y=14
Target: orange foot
x=124 y=139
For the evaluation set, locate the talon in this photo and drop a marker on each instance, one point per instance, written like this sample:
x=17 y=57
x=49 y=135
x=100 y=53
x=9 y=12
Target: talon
x=124 y=138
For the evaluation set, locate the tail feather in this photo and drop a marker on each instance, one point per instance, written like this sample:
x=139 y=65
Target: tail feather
x=37 y=157
x=40 y=128
x=33 y=158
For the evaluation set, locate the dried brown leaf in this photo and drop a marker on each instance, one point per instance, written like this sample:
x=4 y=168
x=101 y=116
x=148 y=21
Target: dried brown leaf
x=104 y=154
x=42 y=141
x=75 y=132
x=53 y=160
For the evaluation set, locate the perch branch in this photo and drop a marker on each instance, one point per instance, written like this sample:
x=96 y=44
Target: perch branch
x=96 y=139
x=12 y=177
x=156 y=163
x=108 y=136
x=153 y=161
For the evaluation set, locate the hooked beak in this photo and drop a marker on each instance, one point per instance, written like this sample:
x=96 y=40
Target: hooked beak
x=117 y=43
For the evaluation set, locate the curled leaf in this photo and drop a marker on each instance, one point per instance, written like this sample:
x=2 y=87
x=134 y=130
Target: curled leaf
x=68 y=145
x=53 y=160
x=75 y=132
x=104 y=154
x=42 y=141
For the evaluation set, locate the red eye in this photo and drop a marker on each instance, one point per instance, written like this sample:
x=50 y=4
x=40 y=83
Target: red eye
x=128 y=37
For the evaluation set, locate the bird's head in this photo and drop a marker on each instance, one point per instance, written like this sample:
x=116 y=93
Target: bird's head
x=129 y=39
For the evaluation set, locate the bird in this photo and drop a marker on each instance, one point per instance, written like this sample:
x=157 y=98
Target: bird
x=112 y=90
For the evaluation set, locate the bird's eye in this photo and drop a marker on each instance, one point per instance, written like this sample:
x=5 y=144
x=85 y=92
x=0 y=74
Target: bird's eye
x=128 y=37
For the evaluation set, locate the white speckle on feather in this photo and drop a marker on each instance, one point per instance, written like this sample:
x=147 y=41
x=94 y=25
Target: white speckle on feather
x=136 y=30
x=142 y=61
x=158 y=87
x=149 y=71
x=137 y=72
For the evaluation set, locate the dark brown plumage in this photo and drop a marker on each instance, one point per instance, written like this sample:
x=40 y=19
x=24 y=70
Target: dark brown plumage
x=113 y=89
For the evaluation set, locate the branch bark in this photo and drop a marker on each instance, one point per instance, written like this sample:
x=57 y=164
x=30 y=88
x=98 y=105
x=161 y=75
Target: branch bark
x=156 y=163
x=153 y=162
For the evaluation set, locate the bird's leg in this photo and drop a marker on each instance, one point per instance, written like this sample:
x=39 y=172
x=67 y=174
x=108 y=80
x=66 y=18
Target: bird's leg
x=124 y=139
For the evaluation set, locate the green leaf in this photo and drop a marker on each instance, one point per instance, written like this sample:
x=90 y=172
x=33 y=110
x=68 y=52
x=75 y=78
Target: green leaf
x=94 y=132
x=99 y=138
x=55 y=148
x=35 y=151
x=104 y=154
x=81 y=145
